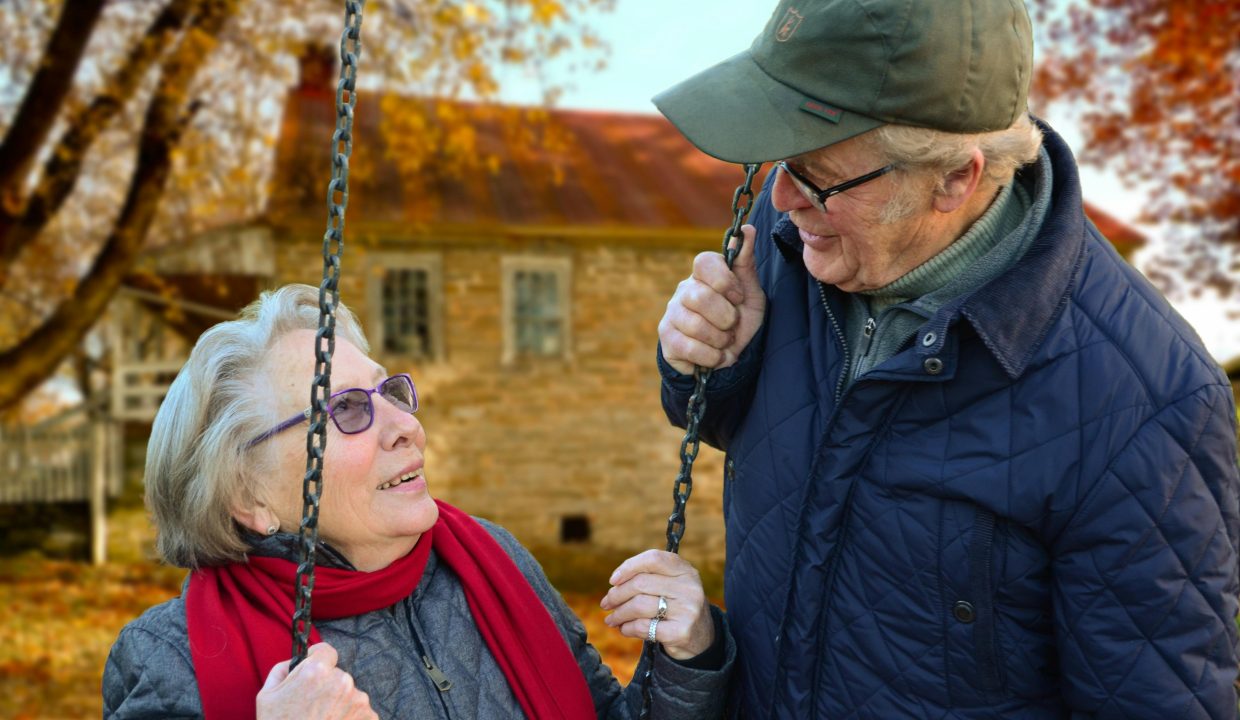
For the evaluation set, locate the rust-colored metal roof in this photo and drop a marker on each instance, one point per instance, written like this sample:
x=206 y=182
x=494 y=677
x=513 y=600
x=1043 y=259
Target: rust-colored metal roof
x=601 y=170
x=1123 y=236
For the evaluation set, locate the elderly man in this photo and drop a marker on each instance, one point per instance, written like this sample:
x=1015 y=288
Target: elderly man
x=981 y=468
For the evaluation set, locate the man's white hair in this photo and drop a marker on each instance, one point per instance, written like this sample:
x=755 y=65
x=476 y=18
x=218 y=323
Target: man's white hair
x=922 y=153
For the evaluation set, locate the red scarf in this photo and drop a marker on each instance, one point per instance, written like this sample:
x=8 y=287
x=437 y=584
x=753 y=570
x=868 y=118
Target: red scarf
x=240 y=617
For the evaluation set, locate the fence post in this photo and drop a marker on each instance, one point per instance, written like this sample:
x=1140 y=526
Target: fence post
x=98 y=491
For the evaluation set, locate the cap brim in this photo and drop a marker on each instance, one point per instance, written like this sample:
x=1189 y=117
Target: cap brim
x=734 y=111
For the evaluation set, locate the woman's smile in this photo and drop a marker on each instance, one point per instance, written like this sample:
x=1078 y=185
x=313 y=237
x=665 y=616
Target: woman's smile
x=405 y=483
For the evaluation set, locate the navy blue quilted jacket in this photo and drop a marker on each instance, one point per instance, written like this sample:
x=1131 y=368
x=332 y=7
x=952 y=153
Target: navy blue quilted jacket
x=1029 y=512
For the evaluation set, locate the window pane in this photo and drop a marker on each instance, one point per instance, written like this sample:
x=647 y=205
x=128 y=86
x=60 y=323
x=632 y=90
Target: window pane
x=537 y=325
x=406 y=312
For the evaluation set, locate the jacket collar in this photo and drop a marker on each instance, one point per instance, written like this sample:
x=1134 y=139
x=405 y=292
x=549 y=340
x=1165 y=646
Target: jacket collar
x=1038 y=284
x=287 y=546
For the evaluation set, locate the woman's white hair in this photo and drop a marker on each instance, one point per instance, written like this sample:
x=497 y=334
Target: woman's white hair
x=198 y=465
x=935 y=154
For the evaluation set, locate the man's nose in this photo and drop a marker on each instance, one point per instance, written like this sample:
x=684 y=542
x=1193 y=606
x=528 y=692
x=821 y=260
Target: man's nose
x=785 y=196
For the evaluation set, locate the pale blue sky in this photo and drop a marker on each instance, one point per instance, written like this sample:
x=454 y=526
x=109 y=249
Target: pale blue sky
x=656 y=43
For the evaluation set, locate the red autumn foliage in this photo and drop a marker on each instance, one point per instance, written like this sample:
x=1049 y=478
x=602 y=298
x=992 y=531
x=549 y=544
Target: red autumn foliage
x=1158 y=87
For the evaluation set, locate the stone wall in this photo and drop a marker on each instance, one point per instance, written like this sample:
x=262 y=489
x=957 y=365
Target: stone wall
x=542 y=445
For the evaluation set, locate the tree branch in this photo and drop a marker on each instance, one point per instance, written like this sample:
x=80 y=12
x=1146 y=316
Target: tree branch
x=43 y=98
x=64 y=164
x=36 y=357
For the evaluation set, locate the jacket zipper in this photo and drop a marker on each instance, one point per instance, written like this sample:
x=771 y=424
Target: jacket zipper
x=437 y=676
x=441 y=681
x=839 y=333
x=867 y=332
x=847 y=509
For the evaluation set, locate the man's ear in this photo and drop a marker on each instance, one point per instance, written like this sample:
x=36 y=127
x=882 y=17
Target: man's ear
x=960 y=184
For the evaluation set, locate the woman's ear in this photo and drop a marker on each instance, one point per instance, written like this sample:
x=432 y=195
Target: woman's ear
x=960 y=184
x=256 y=518
x=256 y=515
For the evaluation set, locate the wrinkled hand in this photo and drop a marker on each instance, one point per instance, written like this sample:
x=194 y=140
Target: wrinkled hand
x=687 y=630
x=715 y=312
x=315 y=690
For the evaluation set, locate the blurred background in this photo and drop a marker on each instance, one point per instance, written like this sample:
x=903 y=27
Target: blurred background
x=518 y=217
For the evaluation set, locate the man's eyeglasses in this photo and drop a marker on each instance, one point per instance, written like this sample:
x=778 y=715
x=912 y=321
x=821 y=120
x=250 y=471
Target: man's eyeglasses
x=817 y=197
x=353 y=410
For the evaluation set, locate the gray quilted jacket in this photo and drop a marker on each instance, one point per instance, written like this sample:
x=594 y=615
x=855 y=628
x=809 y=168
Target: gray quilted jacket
x=149 y=673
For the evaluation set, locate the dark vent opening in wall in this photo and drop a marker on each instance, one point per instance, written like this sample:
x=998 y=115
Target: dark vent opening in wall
x=574 y=529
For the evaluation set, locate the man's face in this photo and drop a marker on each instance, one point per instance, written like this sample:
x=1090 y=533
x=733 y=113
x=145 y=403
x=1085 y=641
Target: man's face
x=852 y=246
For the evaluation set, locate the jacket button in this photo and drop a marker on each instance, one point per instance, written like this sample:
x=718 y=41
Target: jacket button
x=933 y=365
x=963 y=611
x=929 y=339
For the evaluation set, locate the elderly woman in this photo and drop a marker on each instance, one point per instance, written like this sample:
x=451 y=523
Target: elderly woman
x=422 y=610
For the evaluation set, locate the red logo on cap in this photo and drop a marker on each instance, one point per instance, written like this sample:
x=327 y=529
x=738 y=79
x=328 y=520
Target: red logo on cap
x=821 y=109
x=788 y=26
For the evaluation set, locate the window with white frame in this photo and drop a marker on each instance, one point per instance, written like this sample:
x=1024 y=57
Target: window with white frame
x=536 y=306
x=404 y=296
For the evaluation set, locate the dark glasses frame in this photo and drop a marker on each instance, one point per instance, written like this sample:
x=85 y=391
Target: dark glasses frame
x=304 y=415
x=817 y=196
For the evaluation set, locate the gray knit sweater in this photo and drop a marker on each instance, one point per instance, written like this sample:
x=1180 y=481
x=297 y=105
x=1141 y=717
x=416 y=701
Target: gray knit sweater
x=149 y=673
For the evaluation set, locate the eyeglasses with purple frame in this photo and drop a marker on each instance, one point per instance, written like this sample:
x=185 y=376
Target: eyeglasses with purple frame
x=353 y=409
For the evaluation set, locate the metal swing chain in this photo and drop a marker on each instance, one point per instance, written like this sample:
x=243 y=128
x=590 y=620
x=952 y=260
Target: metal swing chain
x=325 y=337
x=683 y=486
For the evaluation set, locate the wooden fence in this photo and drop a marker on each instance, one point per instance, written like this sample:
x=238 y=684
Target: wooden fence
x=72 y=457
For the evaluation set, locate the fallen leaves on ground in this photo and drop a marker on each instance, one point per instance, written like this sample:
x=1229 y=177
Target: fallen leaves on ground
x=61 y=621
x=63 y=617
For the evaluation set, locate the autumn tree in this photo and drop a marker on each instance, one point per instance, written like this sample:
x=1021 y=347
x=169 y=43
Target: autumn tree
x=1158 y=84
x=130 y=123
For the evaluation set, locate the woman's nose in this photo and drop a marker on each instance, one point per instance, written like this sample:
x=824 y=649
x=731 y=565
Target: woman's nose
x=398 y=427
x=785 y=196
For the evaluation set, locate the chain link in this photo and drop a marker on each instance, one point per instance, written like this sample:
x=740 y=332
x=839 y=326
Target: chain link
x=742 y=203
x=325 y=337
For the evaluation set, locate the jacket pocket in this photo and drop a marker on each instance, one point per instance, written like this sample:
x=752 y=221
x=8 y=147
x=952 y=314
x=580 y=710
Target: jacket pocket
x=982 y=591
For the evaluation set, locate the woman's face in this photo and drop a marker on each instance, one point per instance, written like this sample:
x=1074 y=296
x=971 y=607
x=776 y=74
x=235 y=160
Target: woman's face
x=374 y=503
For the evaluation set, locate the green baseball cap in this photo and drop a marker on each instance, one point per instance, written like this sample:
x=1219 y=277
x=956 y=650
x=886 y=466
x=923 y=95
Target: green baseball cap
x=823 y=71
